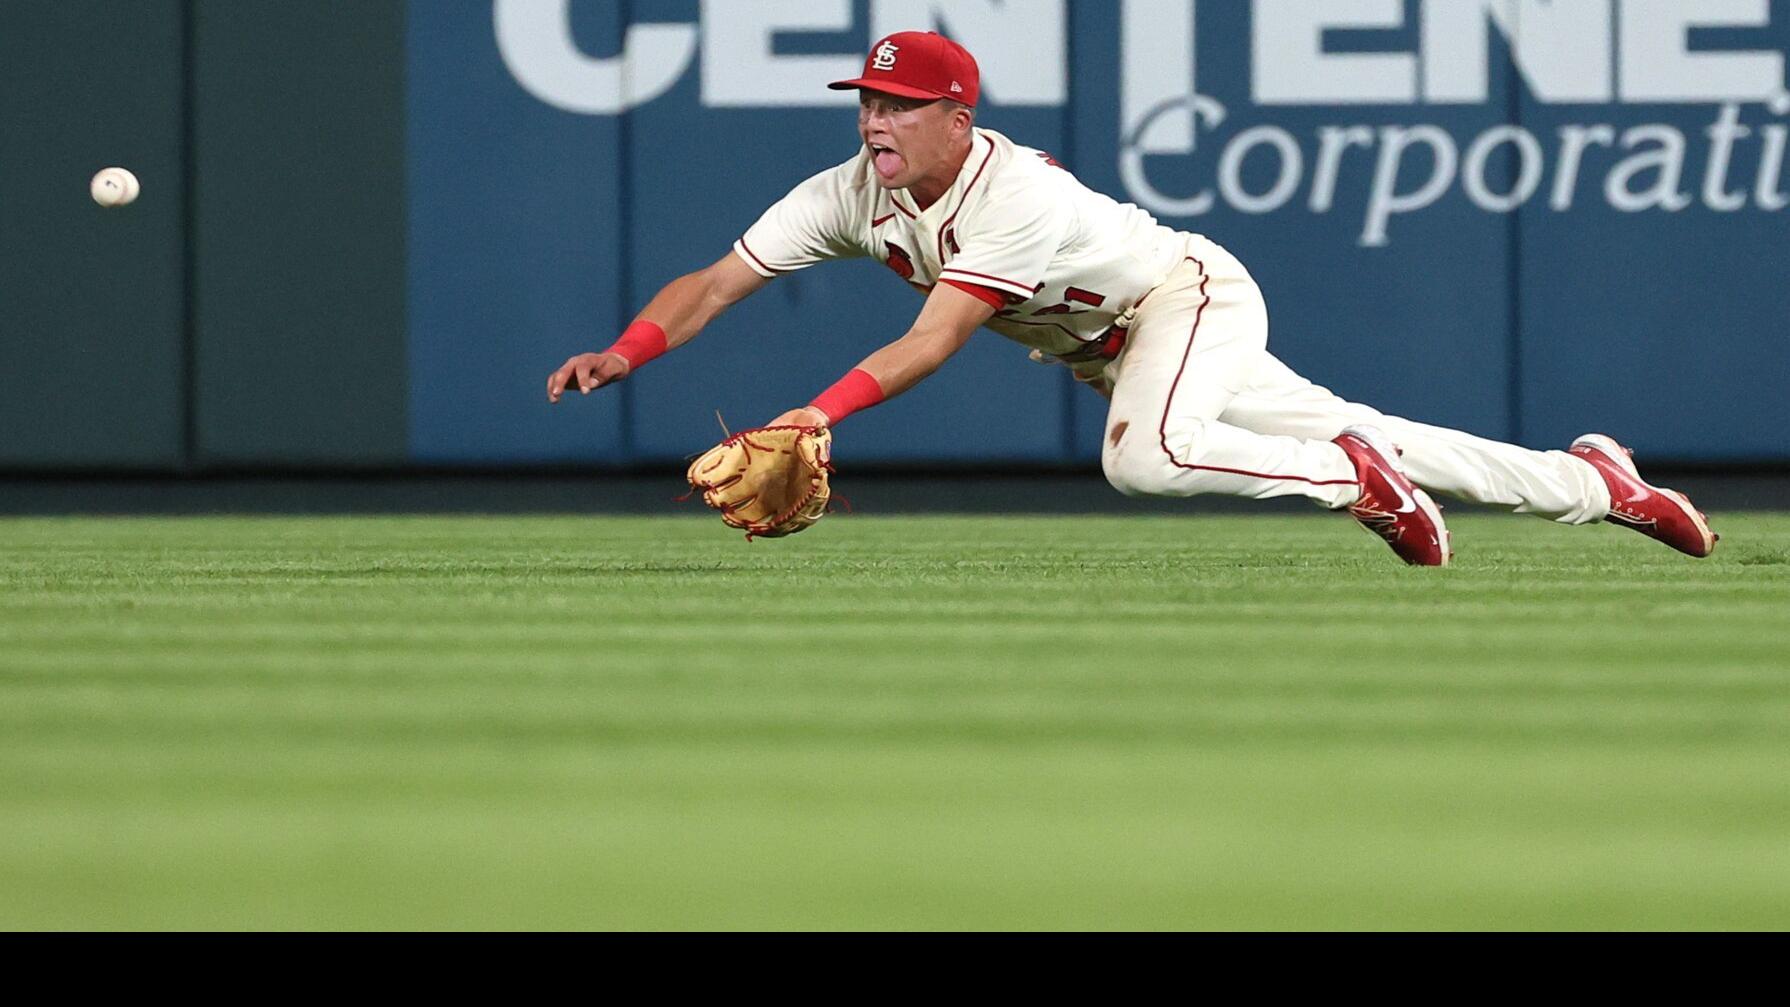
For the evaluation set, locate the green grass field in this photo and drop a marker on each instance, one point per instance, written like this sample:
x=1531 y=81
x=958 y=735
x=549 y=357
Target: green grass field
x=889 y=723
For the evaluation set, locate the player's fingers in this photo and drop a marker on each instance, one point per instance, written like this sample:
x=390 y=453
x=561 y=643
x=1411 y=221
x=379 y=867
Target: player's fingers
x=585 y=380
x=556 y=382
x=610 y=368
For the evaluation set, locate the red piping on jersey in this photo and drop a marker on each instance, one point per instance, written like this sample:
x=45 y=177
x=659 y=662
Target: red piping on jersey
x=911 y=215
x=946 y=226
x=880 y=221
x=1162 y=428
x=755 y=258
x=1030 y=290
x=987 y=295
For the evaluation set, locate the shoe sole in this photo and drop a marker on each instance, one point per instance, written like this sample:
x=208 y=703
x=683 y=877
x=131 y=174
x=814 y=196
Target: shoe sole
x=1607 y=446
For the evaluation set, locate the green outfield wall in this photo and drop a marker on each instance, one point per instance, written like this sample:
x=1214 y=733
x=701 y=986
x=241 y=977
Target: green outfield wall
x=93 y=324
x=248 y=309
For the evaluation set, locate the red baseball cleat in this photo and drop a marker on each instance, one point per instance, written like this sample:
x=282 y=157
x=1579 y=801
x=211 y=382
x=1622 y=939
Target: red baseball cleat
x=1657 y=513
x=1390 y=506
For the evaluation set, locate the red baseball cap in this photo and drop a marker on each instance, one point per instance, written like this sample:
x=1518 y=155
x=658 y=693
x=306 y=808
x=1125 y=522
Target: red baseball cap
x=919 y=64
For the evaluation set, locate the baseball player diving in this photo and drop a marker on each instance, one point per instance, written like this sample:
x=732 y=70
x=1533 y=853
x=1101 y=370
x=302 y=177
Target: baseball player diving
x=1166 y=324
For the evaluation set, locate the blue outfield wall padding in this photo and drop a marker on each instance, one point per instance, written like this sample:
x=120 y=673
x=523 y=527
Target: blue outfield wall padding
x=514 y=244
x=1500 y=223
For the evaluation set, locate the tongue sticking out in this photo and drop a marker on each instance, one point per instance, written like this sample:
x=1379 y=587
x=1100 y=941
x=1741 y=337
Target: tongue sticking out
x=888 y=163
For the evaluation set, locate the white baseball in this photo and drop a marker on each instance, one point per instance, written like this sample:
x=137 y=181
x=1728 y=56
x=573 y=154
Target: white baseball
x=114 y=187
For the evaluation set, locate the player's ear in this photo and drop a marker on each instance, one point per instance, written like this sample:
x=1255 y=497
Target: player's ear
x=962 y=117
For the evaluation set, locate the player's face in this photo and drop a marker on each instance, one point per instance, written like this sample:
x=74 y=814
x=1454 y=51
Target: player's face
x=909 y=138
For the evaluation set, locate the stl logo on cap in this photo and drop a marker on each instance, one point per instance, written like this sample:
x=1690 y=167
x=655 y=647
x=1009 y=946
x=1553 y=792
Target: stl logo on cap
x=918 y=64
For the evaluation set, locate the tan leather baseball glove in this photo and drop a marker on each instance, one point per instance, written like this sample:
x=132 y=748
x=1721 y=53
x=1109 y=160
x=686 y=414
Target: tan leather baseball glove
x=769 y=481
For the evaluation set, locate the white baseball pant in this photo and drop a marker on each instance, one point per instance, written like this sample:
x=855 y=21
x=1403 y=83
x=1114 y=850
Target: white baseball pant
x=1199 y=405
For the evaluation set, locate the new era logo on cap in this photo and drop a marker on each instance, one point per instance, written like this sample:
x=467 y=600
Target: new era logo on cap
x=918 y=64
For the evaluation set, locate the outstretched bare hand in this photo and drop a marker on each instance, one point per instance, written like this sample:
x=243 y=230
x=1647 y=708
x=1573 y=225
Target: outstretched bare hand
x=586 y=371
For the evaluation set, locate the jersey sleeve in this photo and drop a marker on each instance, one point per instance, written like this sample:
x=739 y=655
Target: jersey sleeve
x=815 y=222
x=987 y=295
x=1009 y=239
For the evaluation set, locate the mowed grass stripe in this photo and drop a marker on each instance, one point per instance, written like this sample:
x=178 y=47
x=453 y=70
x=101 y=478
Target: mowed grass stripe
x=886 y=722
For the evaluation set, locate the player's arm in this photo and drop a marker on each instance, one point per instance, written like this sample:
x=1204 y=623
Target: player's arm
x=945 y=324
x=672 y=318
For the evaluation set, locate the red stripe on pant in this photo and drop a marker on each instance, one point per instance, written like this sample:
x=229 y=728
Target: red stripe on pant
x=1162 y=427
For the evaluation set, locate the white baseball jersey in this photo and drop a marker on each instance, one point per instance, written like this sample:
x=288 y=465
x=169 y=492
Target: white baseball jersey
x=1068 y=259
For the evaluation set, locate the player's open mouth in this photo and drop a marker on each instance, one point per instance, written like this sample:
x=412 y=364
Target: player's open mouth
x=886 y=160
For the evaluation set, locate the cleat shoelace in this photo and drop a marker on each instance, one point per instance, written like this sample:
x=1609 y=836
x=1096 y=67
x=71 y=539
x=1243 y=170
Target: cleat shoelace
x=1379 y=522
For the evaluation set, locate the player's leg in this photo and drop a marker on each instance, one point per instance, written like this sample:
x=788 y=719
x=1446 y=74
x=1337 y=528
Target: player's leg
x=1194 y=345
x=1593 y=481
x=1553 y=484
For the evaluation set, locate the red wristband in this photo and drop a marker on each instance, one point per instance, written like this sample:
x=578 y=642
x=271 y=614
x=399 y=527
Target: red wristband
x=640 y=342
x=857 y=390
